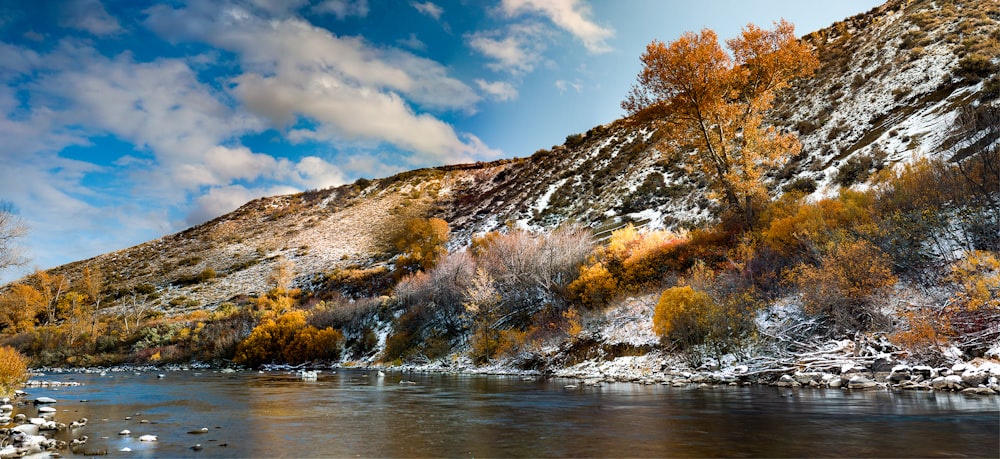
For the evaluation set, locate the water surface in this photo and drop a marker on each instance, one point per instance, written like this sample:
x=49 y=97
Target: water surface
x=358 y=414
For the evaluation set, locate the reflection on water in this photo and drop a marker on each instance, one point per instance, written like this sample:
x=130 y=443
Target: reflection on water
x=357 y=414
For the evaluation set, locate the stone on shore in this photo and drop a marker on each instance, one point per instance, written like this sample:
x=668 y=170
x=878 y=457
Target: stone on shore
x=861 y=383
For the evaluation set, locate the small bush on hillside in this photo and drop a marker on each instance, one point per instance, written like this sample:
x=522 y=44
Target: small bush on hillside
x=802 y=185
x=858 y=168
x=974 y=67
x=420 y=243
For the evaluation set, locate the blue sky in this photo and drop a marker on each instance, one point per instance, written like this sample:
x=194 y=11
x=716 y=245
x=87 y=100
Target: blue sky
x=124 y=121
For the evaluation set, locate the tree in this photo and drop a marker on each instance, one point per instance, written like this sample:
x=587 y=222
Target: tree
x=11 y=229
x=712 y=105
x=92 y=284
x=13 y=370
x=19 y=306
x=52 y=287
x=421 y=243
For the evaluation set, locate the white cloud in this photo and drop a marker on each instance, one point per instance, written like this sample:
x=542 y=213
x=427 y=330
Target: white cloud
x=355 y=92
x=498 y=90
x=219 y=201
x=342 y=8
x=570 y=15
x=279 y=7
x=516 y=50
x=563 y=85
x=412 y=42
x=429 y=9
x=89 y=16
x=315 y=173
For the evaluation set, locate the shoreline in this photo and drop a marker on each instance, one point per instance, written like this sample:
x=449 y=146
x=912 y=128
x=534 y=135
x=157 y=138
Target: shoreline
x=977 y=377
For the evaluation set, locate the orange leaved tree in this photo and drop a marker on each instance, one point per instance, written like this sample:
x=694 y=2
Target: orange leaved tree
x=711 y=104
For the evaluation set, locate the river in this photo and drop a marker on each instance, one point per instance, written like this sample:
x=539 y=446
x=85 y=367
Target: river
x=354 y=413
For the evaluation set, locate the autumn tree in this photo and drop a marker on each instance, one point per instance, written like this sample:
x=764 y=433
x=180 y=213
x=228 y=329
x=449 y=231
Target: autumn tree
x=421 y=244
x=712 y=104
x=19 y=307
x=52 y=287
x=11 y=229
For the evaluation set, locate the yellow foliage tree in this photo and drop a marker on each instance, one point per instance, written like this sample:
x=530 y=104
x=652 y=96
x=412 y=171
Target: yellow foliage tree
x=13 y=370
x=19 y=307
x=421 y=243
x=51 y=287
x=713 y=104
x=978 y=279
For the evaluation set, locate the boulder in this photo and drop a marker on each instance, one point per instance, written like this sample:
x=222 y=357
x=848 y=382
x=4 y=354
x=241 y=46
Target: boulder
x=807 y=378
x=861 y=382
x=923 y=371
x=978 y=391
x=883 y=364
x=44 y=400
x=974 y=378
x=899 y=374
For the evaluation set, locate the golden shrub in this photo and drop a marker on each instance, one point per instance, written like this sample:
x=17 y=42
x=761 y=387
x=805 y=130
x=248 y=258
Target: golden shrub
x=978 y=279
x=595 y=286
x=13 y=370
x=288 y=338
x=421 y=243
x=680 y=314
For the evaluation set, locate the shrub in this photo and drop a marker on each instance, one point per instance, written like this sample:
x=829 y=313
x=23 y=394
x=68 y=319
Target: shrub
x=801 y=184
x=288 y=338
x=841 y=286
x=13 y=370
x=595 y=287
x=421 y=243
x=922 y=335
x=858 y=168
x=680 y=315
x=974 y=312
x=974 y=67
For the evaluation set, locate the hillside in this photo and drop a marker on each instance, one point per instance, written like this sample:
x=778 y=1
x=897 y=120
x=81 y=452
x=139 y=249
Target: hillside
x=889 y=89
x=895 y=84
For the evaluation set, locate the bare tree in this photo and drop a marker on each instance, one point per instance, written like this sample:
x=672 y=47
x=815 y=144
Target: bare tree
x=11 y=229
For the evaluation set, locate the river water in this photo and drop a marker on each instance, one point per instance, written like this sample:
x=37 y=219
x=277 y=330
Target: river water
x=358 y=414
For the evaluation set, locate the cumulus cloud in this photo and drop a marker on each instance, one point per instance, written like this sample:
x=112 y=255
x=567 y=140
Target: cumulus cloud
x=342 y=8
x=278 y=7
x=429 y=9
x=89 y=16
x=570 y=15
x=218 y=201
x=354 y=91
x=516 y=50
x=498 y=90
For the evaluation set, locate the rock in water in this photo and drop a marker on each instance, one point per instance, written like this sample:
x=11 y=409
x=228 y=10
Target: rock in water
x=147 y=438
